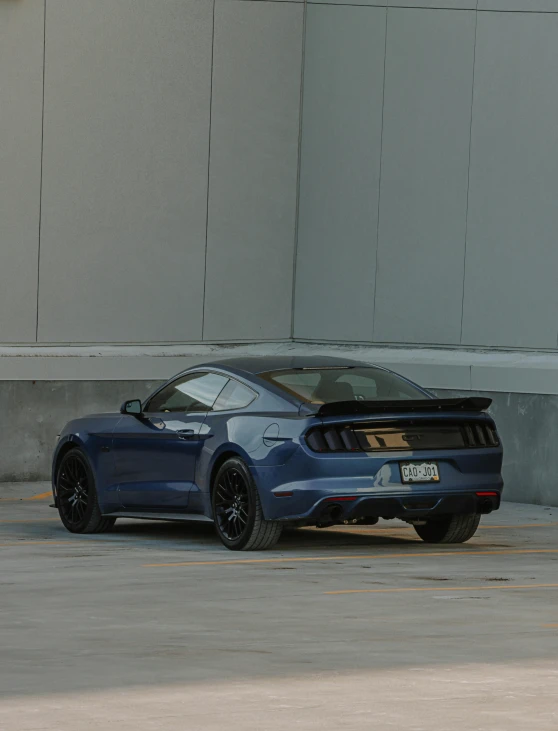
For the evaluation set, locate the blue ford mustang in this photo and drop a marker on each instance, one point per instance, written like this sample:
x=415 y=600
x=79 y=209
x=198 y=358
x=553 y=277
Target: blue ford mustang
x=254 y=444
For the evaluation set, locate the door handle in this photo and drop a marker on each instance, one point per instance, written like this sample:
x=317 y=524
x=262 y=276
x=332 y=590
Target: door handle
x=185 y=434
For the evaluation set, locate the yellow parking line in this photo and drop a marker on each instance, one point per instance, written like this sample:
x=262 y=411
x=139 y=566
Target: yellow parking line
x=33 y=520
x=78 y=541
x=482 y=587
x=42 y=496
x=367 y=557
x=45 y=542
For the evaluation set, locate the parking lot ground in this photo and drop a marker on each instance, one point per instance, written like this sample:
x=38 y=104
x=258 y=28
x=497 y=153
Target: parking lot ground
x=156 y=626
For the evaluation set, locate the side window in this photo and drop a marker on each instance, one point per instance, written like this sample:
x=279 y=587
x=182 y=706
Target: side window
x=196 y=392
x=234 y=396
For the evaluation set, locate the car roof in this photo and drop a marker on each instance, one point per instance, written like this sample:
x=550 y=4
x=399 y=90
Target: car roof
x=254 y=365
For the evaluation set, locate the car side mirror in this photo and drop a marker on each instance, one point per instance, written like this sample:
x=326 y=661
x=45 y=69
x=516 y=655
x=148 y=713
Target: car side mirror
x=133 y=408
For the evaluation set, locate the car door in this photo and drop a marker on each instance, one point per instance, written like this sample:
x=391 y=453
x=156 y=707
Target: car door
x=156 y=453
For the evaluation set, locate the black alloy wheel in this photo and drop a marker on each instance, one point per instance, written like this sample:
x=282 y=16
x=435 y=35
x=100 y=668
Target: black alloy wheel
x=77 y=496
x=237 y=510
x=73 y=490
x=232 y=504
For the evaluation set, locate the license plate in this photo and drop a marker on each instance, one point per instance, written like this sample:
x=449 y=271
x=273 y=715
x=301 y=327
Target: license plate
x=419 y=472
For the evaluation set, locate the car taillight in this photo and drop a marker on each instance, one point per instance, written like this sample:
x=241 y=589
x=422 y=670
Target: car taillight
x=401 y=436
x=480 y=435
x=333 y=439
x=316 y=442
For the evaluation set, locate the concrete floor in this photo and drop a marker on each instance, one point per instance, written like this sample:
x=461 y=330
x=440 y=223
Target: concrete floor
x=157 y=627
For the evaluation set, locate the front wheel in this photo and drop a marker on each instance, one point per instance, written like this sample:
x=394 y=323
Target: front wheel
x=237 y=510
x=452 y=529
x=77 y=496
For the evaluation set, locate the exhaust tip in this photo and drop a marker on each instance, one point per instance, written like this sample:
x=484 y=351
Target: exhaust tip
x=332 y=515
x=486 y=507
x=336 y=513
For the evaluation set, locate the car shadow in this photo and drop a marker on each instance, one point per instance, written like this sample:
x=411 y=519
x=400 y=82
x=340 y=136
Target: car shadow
x=291 y=538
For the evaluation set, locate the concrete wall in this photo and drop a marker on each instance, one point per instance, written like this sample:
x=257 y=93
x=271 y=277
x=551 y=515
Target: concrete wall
x=253 y=174
x=148 y=169
x=127 y=105
x=171 y=170
x=429 y=173
x=21 y=102
x=340 y=172
x=528 y=427
x=32 y=413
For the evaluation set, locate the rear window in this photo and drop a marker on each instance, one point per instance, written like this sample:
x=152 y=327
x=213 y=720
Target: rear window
x=329 y=385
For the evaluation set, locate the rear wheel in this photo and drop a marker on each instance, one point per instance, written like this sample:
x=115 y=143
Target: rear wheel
x=237 y=510
x=77 y=496
x=452 y=529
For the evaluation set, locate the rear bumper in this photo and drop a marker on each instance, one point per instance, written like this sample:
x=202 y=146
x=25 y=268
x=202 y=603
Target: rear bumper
x=414 y=507
x=306 y=487
x=405 y=507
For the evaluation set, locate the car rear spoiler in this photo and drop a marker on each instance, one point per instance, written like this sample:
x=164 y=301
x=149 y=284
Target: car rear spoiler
x=431 y=406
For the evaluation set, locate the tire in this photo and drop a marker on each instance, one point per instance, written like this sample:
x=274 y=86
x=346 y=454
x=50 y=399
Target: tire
x=237 y=510
x=77 y=502
x=453 y=529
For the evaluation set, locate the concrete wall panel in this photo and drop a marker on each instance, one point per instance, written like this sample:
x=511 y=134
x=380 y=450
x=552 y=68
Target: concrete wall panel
x=21 y=104
x=511 y=298
x=444 y=4
x=253 y=171
x=354 y=3
x=524 y=6
x=425 y=157
x=32 y=414
x=125 y=170
x=342 y=118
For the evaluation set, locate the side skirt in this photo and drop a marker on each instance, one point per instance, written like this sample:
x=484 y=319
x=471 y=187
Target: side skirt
x=184 y=518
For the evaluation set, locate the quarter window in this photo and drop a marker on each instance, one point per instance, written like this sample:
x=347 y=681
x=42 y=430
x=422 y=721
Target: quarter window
x=234 y=396
x=196 y=392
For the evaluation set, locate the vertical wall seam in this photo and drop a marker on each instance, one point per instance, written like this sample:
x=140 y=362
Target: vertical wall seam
x=380 y=180
x=468 y=178
x=208 y=168
x=41 y=177
x=298 y=170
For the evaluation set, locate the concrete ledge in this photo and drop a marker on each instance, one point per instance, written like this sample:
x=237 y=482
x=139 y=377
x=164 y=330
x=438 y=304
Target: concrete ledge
x=460 y=369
